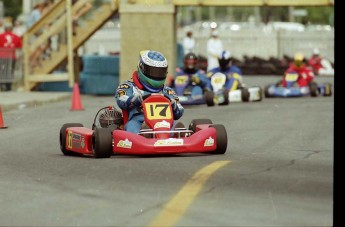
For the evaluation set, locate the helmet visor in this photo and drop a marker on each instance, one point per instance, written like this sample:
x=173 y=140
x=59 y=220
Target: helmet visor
x=155 y=83
x=153 y=72
x=223 y=63
x=190 y=63
x=298 y=62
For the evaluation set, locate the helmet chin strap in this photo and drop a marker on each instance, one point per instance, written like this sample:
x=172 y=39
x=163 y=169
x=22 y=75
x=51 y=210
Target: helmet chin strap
x=141 y=85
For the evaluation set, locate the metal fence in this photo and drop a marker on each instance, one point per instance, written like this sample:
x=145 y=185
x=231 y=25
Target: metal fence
x=11 y=65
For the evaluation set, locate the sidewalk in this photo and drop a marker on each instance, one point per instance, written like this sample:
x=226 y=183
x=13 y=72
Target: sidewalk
x=10 y=100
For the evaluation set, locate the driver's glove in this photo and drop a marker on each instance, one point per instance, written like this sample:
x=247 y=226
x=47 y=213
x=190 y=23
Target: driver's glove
x=137 y=100
x=195 y=79
x=173 y=104
x=172 y=101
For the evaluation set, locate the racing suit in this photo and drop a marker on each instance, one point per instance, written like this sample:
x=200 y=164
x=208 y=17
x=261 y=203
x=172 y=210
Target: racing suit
x=197 y=78
x=305 y=75
x=234 y=76
x=129 y=97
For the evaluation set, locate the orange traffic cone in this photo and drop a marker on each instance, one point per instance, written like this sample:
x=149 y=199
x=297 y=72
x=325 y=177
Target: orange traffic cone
x=76 y=101
x=2 y=125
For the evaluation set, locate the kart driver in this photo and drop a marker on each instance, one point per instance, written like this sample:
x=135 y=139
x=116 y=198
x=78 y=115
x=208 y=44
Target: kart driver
x=231 y=71
x=305 y=74
x=149 y=78
x=197 y=76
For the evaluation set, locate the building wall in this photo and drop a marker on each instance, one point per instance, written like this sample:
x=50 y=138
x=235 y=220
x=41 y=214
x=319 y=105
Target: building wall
x=145 y=26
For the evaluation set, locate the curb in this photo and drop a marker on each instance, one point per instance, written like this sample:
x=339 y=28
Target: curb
x=28 y=104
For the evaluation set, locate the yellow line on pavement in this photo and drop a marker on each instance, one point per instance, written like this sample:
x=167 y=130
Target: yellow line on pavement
x=176 y=207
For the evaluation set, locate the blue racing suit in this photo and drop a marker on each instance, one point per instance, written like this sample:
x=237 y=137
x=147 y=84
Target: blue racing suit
x=129 y=97
x=198 y=79
x=234 y=76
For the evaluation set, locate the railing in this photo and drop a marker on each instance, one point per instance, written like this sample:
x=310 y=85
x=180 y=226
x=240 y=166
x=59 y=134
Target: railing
x=53 y=41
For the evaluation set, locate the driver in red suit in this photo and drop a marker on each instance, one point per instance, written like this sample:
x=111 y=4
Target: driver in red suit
x=305 y=74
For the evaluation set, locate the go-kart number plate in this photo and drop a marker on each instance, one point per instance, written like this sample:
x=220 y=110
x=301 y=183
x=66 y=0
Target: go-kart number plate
x=291 y=77
x=218 y=79
x=181 y=80
x=158 y=111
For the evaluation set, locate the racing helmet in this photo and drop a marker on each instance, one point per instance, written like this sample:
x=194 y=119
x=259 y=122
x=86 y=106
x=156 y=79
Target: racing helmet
x=224 y=59
x=152 y=69
x=190 y=61
x=298 y=60
x=316 y=52
x=110 y=116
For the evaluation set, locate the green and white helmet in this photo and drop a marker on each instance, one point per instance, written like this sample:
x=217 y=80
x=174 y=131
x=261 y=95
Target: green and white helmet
x=152 y=69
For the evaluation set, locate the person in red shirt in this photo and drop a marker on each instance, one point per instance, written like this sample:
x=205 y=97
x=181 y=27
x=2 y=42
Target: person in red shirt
x=299 y=66
x=320 y=66
x=315 y=61
x=9 y=42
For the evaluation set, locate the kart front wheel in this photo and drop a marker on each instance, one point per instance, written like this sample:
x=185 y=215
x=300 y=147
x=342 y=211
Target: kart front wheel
x=102 y=143
x=226 y=98
x=221 y=139
x=63 y=138
x=266 y=92
x=209 y=96
x=195 y=122
x=314 y=90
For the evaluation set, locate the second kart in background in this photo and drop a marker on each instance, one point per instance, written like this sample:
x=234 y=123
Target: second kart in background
x=190 y=83
x=226 y=84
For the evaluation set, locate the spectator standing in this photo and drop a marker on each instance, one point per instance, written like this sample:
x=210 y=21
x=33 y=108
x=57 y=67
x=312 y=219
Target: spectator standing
x=9 y=42
x=19 y=28
x=35 y=14
x=214 y=49
x=189 y=43
x=320 y=66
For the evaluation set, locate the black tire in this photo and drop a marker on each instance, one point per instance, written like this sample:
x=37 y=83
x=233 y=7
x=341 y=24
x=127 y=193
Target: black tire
x=226 y=98
x=63 y=138
x=209 y=97
x=195 y=122
x=314 y=90
x=328 y=89
x=267 y=94
x=102 y=143
x=221 y=139
x=245 y=95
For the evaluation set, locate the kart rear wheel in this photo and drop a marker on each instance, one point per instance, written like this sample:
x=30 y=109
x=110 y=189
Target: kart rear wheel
x=221 y=139
x=195 y=122
x=245 y=94
x=63 y=138
x=314 y=90
x=209 y=96
x=102 y=143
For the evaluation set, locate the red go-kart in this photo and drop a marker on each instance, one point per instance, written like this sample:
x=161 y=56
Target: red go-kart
x=107 y=137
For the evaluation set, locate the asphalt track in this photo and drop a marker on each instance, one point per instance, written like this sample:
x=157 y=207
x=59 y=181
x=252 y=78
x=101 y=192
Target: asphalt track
x=277 y=171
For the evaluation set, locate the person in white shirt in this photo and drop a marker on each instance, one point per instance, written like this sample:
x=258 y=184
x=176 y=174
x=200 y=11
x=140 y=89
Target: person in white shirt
x=189 y=43
x=214 y=48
